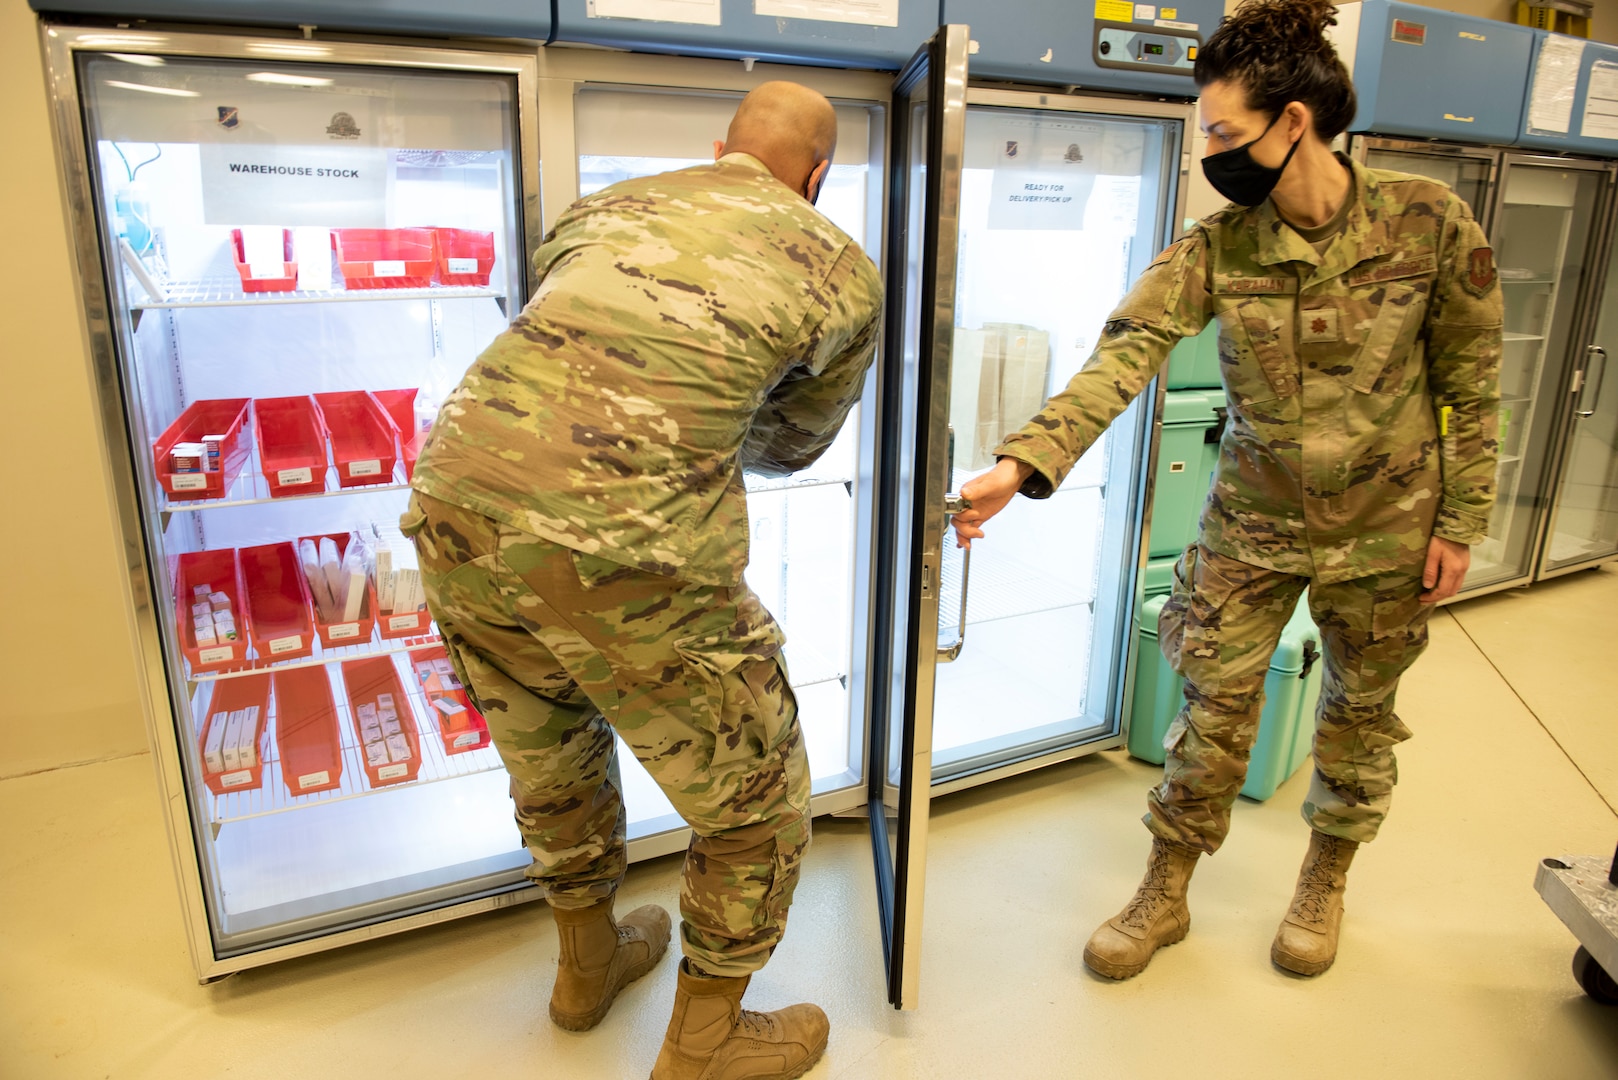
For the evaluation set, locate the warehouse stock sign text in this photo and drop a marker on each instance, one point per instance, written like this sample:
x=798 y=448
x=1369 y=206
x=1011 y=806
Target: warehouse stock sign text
x=340 y=187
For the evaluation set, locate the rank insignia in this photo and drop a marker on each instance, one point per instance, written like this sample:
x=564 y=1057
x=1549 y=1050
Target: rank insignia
x=1317 y=325
x=1480 y=272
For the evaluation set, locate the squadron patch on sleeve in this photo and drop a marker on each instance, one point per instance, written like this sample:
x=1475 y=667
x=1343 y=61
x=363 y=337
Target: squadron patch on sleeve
x=1480 y=272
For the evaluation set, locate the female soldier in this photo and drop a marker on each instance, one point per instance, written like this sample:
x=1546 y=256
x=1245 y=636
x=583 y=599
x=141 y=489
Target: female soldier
x=1359 y=344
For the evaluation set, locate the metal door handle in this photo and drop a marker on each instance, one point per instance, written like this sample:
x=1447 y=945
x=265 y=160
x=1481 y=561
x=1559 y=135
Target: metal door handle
x=1601 y=377
x=954 y=504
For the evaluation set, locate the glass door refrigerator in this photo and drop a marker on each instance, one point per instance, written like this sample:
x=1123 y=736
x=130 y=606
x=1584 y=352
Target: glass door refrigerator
x=1547 y=220
x=290 y=250
x=1017 y=220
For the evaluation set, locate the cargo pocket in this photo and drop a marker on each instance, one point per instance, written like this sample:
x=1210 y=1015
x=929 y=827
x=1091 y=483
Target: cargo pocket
x=1398 y=635
x=1375 y=765
x=739 y=692
x=1384 y=360
x=790 y=844
x=1254 y=363
x=1171 y=619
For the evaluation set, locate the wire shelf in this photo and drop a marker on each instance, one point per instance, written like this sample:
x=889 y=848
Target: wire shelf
x=250 y=488
x=377 y=646
x=227 y=292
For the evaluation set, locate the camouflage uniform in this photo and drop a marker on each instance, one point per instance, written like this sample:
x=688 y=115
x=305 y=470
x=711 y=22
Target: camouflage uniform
x=581 y=521
x=1363 y=390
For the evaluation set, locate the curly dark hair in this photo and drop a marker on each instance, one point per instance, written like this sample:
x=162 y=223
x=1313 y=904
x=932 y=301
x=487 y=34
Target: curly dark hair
x=1277 y=51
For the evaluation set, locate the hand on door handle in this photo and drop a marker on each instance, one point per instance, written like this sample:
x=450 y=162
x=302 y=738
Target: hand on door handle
x=985 y=496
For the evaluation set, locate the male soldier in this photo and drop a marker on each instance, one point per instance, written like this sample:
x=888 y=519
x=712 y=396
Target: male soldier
x=1359 y=344
x=581 y=522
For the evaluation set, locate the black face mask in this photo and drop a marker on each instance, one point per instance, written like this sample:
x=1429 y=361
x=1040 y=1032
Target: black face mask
x=1236 y=176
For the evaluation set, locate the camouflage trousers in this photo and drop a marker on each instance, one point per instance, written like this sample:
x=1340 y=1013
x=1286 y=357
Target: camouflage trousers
x=560 y=650
x=1219 y=630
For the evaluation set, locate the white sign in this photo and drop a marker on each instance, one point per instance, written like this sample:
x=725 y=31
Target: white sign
x=468 y=738
x=700 y=12
x=1601 y=103
x=388 y=268
x=1556 y=77
x=365 y=468
x=404 y=622
x=392 y=772
x=1044 y=174
x=291 y=477
x=314 y=779
x=216 y=656
x=333 y=186
x=864 y=12
x=343 y=630
x=286 y=644
x=235 y=779
x=463 y=266
x=188 y=482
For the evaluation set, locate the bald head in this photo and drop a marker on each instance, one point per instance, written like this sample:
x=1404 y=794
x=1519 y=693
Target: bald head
x=791 y=129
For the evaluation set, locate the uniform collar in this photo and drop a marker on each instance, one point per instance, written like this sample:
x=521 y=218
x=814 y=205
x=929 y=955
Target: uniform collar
x=746 y=160
x=1364 y=234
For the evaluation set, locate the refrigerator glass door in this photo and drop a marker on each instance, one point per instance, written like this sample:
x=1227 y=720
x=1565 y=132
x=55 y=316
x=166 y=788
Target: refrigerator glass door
x=1584 y=521
x=803 y=527
x=929 y=118
x=1468 y=174
x=1544 y=227
x=1060 y=211
x=301 y=260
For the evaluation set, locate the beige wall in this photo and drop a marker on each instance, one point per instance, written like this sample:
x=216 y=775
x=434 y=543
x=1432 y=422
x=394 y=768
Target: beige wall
x=66 y=657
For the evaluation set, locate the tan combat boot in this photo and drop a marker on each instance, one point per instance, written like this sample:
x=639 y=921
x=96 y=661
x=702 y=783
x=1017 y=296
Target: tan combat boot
x=1307 y=941
x=1157 y=915
x=711 y=1037
x=600 y=956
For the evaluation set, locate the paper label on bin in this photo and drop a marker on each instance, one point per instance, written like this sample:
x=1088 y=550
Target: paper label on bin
x=288 y=477
x=267 y=270
x=314 y=779
x=286 y=644
x=468 y=739
x=463 y=266
x=188 y=482
x=365 y=468
x=215 y=656
x=343 y=630
x=236 y=779
x=388 y=268
x=392 y=772
x=404 y=622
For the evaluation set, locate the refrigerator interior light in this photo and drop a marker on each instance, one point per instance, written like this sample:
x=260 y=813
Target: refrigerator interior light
x=281 y=79
x=137 y=58
x=287 y=48
x=149 y=89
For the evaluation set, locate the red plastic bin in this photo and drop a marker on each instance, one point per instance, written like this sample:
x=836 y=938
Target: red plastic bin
x=363 y=437
x=227 y=417
x=231 y=695
x=401 y=406
x=306 y=732
x=337 y=634
x=465 y=256
x=286 y=282
x=460 y=732
x=291 y=445
x=277 y=602
x=220 y=570
x=364 y=680
x=386 y=258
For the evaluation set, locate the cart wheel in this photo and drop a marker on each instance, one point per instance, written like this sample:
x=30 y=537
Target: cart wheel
x=1594 y=978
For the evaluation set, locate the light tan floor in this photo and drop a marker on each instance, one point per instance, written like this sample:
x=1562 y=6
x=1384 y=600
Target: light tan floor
x=1451 y=965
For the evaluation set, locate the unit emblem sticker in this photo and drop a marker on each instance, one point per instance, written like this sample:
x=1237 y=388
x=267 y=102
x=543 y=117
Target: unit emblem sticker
x=1074 y=155
x=1480 y=272
x=342 y=126
x=228 y=117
